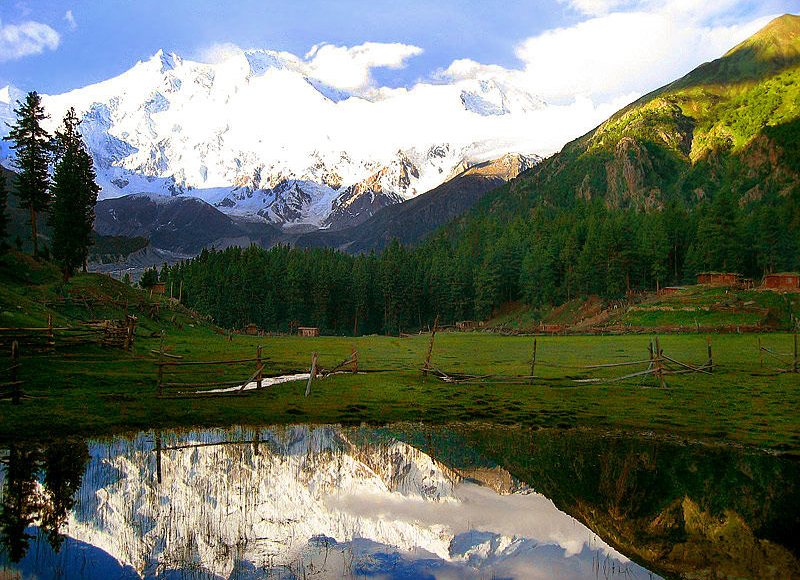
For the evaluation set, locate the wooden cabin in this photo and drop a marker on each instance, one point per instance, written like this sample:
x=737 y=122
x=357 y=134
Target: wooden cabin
x=552 y=328
x=465 y=325
x=252 y=329
x=785 y=281
x=719 y=278
x=158 y=289
x=308 y=330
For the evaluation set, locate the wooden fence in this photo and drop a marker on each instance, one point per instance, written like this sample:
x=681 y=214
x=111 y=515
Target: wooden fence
x=790 y=361
x=659 y=366
x=109 y=333
x=174 y=364
x=12 y=388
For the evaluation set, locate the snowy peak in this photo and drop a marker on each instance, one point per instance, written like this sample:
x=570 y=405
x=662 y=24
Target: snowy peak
x=165 y=61
x=259 y=136
x=492 y=97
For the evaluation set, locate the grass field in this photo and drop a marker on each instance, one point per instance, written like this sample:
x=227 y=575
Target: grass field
x=89 y=390
x=93 y=392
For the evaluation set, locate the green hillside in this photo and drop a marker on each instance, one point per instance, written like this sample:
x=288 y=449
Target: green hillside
x=731 y=125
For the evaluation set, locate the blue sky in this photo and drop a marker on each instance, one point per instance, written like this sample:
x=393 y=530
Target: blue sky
x=56 y=45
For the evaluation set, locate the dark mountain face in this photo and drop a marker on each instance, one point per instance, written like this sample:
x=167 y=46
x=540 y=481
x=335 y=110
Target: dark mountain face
x=412 y=220
x=178 y=224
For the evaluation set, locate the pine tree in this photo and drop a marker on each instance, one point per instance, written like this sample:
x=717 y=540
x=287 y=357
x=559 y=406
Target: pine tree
x=75 y=194
x=3 y=215
x=32 y=146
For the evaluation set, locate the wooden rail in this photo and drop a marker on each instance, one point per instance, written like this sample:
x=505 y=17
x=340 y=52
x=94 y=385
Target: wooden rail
x=791 y=366
x=659 y=365
x=164 y=364
x=12 y=389
x=109 y=333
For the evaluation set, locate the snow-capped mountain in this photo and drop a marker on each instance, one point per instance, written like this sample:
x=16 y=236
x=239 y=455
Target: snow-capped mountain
x=256 y=135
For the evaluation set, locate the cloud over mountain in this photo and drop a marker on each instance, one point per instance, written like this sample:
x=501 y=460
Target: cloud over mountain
x=30 y=37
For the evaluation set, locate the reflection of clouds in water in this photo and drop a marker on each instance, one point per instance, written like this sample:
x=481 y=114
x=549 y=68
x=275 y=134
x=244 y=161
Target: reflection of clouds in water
x=525 y=560
x=530 y=516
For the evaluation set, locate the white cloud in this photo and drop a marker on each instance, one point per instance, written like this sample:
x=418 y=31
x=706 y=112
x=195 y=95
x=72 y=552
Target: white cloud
x=19 y=40
x=71 y=24
x=465 y=68
x=337 y=66
x=625 y=51
x=595 y=7
x=350 y=68
x=622 y=47
x=218 y=52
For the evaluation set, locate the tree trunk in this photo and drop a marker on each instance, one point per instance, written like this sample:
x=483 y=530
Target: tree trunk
x=33 y=231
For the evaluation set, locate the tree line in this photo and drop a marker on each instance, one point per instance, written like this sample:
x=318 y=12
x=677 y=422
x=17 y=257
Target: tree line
x=466 y=272
x=67 y=194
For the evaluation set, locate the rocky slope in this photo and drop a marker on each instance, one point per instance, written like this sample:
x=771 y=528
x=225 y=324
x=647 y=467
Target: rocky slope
x=410 y=221
x=179 y=224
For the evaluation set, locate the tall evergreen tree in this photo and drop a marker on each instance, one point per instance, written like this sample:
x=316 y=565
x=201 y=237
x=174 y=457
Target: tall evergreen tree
x=32 y=146
x=3 y=215
x=75 y=194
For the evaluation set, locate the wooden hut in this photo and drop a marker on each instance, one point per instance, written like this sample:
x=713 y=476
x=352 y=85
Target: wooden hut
x=784 y=281
x=252 y=329
x=308 y=331
x=551 y=328
x=465 y=325
x=719 y=278
x=159 y=288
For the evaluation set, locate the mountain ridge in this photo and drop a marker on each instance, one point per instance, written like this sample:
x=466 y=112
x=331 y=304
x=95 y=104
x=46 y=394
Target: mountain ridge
x=275 y=143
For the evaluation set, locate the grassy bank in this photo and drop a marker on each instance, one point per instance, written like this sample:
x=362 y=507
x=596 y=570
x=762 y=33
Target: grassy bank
x=97 y=391
x=90 y=390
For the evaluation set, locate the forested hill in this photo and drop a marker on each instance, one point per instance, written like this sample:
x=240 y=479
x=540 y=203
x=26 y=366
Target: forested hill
x=730 y=126
x=703 y=174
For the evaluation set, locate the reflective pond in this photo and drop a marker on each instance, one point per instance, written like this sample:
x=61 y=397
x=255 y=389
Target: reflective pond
x=396 y=502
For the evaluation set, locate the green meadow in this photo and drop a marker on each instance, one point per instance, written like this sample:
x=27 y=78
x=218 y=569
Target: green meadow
x=83 y=390
x=740 y=402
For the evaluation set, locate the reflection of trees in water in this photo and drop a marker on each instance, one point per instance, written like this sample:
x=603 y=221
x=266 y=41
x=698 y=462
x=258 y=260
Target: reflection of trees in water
x=61 y=467
x=20 y=502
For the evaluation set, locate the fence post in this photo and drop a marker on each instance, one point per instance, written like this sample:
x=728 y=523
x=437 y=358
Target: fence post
x=51 y=339
x=533 y=359
x=313 y=372
x=131 y=330
x=161 y=365
x=158 y=455
x=354 y=356
x=430 y=346
x=16 y=391
x=258 y=367
x=659 y=367
x=760 y=354
x=710 y=357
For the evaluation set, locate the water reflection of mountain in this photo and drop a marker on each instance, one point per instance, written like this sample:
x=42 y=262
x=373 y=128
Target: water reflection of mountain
x=683 y=510
x=299 y=502
x=397 y=503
